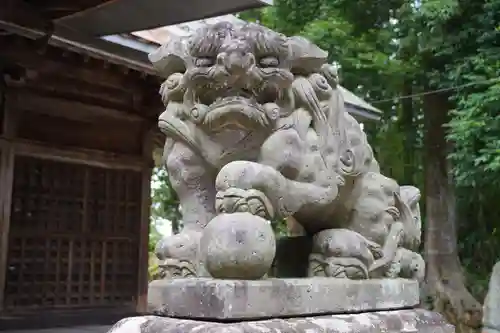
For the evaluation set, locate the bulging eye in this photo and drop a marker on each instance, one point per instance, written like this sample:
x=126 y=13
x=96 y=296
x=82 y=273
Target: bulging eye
x=269 y=61
x=204 y=62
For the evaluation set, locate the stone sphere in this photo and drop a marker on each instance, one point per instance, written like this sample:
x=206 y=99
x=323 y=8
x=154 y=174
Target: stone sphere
x=238 y=246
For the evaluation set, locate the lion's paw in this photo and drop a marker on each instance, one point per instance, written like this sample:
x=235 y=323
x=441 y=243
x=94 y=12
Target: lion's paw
x=252 y=201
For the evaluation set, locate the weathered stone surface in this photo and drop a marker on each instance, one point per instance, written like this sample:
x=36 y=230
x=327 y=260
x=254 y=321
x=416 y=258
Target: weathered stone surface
x=407 y=321
x=238 y=246
x=256 y=122
x=270 y=298
x=491 y=310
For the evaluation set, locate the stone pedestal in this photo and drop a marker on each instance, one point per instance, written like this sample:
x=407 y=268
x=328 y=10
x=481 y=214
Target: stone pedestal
x=308 y=305
x=212 y=299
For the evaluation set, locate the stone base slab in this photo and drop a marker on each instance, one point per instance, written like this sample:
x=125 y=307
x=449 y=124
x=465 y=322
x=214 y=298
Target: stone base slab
x=205 y=298
x=407 y=321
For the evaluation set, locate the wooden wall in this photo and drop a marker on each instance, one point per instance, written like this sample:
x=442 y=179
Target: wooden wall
x=75 y=167
x=74 y=235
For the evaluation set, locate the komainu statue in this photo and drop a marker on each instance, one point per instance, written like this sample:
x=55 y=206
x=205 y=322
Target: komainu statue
x=256 y=130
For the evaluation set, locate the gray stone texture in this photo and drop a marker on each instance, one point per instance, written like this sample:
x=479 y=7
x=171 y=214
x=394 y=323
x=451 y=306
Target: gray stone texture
x=74 y=329
x=407 y=321
x=491 y=309
x=199 y=298
x=238 y=246
x=255 y=122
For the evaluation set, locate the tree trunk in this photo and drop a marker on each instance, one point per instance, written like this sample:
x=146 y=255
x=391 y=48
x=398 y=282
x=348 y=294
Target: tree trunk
x=445 y=283
x=408 y=128
x=176 y=226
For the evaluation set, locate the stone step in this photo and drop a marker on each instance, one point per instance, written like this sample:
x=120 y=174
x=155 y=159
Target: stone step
x=399 y=321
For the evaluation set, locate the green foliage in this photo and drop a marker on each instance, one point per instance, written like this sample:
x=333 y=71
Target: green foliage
x=153 y=268
x=292 y=16
x=476 y=134
x=165 y=203
x=265 y=16
x=475 y=127
x=470 y=45
x=154 y=237
x=279 y=227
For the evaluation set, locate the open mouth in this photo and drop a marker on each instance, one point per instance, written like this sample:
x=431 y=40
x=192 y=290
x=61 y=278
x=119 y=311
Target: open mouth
x=235 y=113
x=233 y=108
x=214 y=96
x=221 y=107
x=234 y=100
x=245 y=93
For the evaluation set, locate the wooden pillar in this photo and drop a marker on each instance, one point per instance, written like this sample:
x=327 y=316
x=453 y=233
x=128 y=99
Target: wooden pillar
x=142 y=288
x=6 y=181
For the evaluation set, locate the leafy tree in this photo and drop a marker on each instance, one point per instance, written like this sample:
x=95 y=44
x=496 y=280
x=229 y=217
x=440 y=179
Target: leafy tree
x=475 y=128
x=462 y=50
x=474 y=131
x=165 y=203
x=154 y=236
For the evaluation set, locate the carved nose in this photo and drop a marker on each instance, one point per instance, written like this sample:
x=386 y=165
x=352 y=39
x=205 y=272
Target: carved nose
x=236 y=63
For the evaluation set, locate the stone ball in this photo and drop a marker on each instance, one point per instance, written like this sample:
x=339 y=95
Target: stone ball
x=238 y=246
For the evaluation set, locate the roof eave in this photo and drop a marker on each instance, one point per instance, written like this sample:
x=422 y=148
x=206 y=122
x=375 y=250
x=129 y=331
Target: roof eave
x=362 y=114
x=101 y=20
x=92 y=47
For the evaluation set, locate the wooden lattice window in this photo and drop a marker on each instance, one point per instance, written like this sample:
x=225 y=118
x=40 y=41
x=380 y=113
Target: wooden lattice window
x=74 y=235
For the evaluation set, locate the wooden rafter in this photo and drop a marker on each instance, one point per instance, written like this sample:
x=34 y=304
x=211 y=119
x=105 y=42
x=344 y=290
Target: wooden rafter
x=25 y=11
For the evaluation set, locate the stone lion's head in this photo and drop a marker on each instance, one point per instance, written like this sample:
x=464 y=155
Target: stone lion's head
x=234 y=76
